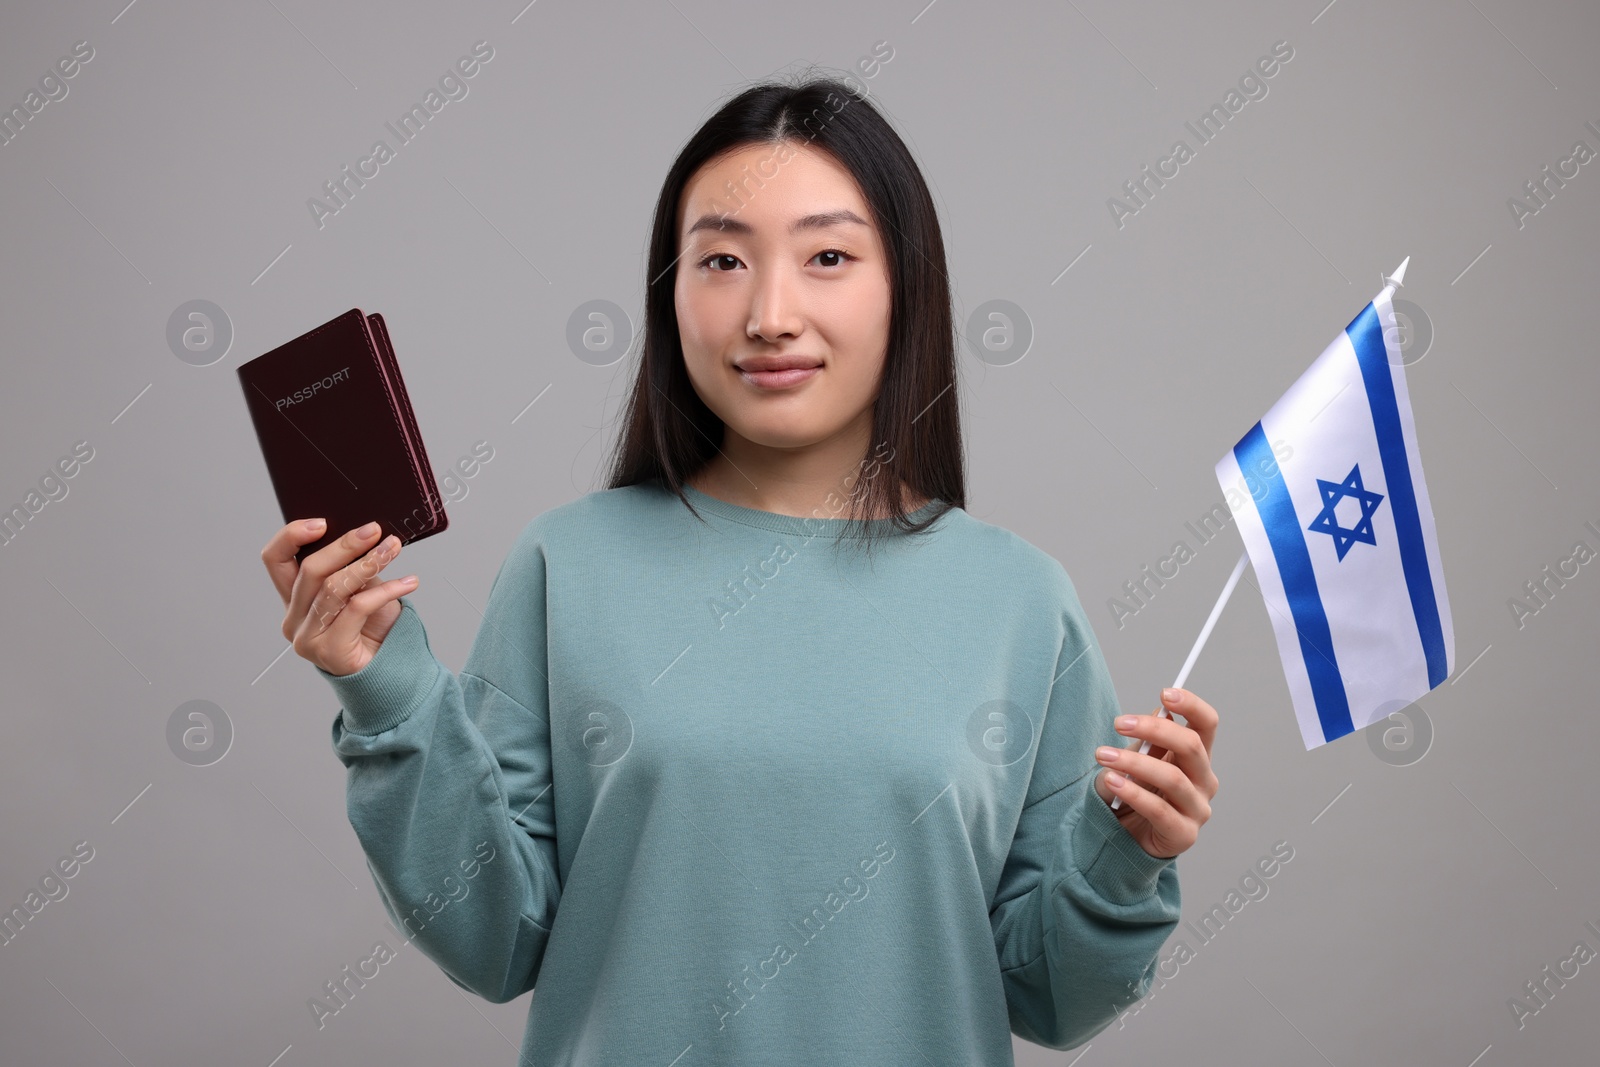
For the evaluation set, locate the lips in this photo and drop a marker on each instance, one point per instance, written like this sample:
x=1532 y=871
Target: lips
x=778 y=372
x=779 y=379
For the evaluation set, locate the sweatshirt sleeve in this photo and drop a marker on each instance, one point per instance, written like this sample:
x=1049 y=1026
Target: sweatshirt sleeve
x=1081 y=910
x=449 y=785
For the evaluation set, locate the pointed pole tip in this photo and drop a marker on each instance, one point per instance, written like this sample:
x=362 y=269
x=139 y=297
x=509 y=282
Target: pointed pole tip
x=1399 y=275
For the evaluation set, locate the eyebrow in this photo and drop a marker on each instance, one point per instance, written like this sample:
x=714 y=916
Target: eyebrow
x=820 y=220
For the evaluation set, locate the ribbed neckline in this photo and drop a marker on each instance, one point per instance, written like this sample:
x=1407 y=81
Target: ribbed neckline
x=796 y=524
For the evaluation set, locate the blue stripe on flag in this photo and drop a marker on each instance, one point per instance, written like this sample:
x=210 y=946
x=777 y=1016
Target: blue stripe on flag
x=1366 y=334
x=1299 y=584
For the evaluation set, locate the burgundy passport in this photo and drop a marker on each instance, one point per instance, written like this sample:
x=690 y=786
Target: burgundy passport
x=338 y=435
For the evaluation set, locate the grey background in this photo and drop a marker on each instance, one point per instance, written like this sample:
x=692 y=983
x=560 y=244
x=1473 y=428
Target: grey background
x=220 y=898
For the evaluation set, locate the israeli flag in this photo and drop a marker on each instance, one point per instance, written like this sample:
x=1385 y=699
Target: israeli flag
x=1328 y=492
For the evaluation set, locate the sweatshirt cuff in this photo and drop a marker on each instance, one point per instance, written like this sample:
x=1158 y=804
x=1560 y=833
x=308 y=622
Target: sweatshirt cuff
x=394 y=683
x=1115 y=864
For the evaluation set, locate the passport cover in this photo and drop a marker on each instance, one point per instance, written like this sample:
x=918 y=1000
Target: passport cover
x=338 y=434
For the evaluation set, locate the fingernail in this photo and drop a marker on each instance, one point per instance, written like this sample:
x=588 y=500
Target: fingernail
x=1169 y=696
x=315 y=524
x=367 y=531
x=1127 y=722
x=1105 y=753
x=1113 y=778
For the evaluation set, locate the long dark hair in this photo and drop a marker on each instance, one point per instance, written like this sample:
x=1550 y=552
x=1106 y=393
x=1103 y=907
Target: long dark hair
x=669 y=432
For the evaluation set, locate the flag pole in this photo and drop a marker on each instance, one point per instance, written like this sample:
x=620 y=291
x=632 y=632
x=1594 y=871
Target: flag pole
x=1199 y=643
x=1391 y=282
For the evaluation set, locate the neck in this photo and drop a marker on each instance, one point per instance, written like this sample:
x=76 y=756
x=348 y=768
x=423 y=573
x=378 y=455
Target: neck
x=819 y=479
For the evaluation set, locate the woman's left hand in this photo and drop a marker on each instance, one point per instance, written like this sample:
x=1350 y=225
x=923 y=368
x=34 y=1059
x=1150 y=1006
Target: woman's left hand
x=1165 y=814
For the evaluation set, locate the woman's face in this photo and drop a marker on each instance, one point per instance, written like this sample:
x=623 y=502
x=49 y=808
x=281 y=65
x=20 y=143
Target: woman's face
x=781 y=265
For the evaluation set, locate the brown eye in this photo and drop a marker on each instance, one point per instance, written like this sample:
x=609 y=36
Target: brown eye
x=715 y=256
x=838 y=253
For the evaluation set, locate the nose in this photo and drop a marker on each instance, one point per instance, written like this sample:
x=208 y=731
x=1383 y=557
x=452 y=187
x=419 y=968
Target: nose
x=774 y=308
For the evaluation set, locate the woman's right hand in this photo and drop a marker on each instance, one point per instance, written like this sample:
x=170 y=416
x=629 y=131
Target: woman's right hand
x=333 y=613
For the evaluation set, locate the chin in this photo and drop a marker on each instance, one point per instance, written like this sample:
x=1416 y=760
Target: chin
x=781 y=433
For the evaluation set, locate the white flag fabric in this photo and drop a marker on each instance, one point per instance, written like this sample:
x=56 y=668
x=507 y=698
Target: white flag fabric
x=1328 y=492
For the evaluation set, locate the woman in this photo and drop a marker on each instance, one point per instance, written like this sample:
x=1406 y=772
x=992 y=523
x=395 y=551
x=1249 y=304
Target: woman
x=768 y=753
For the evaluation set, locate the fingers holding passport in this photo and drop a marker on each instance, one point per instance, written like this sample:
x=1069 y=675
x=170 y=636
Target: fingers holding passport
x=337 y=611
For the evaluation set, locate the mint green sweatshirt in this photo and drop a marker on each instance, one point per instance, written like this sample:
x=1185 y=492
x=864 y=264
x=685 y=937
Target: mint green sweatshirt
x=733 y=794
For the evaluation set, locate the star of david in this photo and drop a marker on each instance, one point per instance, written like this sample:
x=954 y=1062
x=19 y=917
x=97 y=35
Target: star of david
x=1327 y=522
